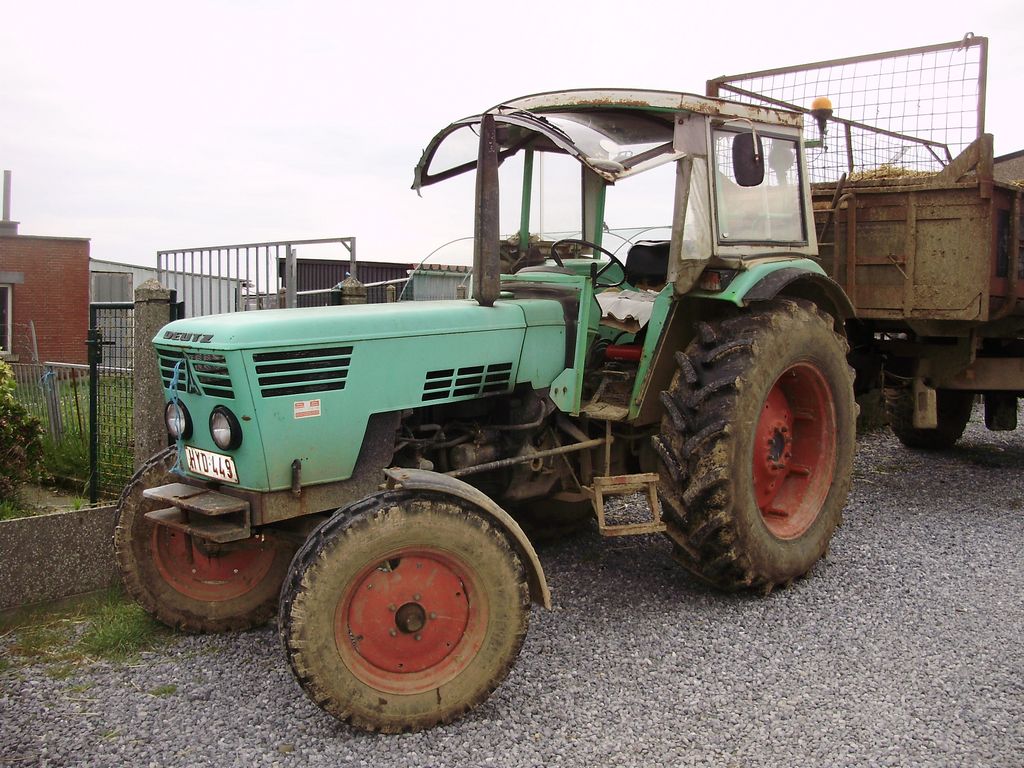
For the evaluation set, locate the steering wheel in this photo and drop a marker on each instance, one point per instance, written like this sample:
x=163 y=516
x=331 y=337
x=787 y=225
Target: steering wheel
x=593 y=246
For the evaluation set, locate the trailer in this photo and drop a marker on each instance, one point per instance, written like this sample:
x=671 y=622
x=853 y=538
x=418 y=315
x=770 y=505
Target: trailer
x=932 y=264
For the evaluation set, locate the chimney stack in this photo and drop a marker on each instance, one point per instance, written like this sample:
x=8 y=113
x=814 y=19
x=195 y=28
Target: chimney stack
x=8 y=228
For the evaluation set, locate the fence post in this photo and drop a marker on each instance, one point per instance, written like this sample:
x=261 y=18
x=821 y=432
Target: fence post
x=152 y=311
x=348 y=291
x=53 y=413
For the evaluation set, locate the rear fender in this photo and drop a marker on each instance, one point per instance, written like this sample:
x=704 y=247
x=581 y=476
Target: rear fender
x=433 y=482
x=799 y=278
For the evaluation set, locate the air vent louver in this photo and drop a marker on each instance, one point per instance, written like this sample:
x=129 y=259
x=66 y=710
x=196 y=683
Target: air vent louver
x=203 y=373
x=469 y=381
x=300 y=371
x=211 y=373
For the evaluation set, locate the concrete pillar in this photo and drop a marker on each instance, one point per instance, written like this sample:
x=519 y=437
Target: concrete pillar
x=349 y=291
x=152 y=311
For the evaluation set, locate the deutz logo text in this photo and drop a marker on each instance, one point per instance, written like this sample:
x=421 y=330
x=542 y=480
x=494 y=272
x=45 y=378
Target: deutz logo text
x=202 y=338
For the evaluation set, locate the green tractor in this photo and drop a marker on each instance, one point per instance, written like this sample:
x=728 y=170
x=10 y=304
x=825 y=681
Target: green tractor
x=367 y=472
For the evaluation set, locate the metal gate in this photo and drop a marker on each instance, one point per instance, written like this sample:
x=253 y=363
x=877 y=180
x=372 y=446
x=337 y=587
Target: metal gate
x=111 y=343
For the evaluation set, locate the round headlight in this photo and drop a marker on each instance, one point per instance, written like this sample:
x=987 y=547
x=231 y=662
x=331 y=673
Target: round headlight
x=225 y=429
x=178 y=421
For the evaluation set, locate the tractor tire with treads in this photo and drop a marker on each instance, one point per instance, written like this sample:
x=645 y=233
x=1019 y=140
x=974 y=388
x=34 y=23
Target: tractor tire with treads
x=756 y=445
x=954 y=411
x=404 y=611
x=180 y=583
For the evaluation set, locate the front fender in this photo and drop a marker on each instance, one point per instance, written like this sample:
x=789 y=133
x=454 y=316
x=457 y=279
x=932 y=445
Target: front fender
x=434 y=482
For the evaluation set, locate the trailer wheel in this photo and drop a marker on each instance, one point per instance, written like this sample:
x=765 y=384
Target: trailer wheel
x=954 y=411
x=756 y=445
x=404 y=611
x=176 y=581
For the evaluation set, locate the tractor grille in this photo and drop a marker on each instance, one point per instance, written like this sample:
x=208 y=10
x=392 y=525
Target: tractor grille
x=300 y=371
x=201 y=372
x=469 y=381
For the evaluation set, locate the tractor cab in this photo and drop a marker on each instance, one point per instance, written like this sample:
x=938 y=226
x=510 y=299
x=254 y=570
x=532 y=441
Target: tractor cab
x=724 y=180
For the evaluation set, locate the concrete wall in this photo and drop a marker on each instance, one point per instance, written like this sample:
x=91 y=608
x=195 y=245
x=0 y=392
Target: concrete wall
x=50 y=557
x=50 y=282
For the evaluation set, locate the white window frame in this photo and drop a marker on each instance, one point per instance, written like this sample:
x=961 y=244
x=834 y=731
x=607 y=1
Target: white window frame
x=8 y=300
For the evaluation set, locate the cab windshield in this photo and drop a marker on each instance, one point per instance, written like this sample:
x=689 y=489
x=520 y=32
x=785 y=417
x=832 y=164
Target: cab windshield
x=612 y=143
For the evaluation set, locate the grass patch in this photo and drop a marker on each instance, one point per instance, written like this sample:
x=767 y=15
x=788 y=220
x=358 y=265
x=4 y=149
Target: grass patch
x=164 y=690
x=106 y=625
x=11 y=510
x=39 y=643
x=120 y=629
x=67 y=462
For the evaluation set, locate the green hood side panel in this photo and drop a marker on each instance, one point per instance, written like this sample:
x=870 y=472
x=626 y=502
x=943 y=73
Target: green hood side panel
x=397 y=356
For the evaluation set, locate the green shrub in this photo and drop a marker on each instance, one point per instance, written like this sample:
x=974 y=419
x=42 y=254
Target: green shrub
x=21 y=439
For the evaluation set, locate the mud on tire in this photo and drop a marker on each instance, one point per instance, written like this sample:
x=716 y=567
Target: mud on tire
x=403 y=611
x=176 y=582
x=756 y=445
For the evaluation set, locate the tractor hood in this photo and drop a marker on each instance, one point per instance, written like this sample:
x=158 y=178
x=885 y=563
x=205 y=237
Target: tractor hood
x=276 y=327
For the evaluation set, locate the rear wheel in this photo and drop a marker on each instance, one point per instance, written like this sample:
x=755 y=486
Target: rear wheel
x=404 y=611
x=756 y=445
x=184 y=584
x=954 y=411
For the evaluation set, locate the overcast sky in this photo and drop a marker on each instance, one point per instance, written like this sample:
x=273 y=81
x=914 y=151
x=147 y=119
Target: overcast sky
x=146 y=127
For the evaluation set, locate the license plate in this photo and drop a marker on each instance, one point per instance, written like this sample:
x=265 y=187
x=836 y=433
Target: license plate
x=211 y=464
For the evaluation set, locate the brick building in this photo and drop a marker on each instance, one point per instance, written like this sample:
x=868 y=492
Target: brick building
x=44 y=287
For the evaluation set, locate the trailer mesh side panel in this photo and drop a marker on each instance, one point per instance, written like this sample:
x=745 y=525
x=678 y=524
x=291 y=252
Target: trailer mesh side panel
x=913 y=109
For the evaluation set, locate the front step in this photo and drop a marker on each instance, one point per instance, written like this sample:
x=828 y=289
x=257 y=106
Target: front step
x=200 y=512
x=624 y=485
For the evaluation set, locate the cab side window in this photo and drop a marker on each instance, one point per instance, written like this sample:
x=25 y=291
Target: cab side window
x=768 y=212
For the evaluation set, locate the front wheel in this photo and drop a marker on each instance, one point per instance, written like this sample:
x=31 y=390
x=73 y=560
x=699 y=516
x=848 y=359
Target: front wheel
x=756 y=445
x=183 y=584
x=404 y=611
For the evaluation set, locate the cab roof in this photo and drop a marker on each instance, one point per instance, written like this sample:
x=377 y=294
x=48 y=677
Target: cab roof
x=646 y=101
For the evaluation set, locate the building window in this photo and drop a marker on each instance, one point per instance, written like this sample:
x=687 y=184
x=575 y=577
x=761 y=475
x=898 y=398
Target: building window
x=5 y=319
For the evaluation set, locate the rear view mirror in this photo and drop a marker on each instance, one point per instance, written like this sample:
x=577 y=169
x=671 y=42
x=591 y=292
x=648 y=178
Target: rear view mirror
x=748 y=159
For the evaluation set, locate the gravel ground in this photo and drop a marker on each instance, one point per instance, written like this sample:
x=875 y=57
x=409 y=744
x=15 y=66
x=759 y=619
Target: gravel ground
x=903 y=648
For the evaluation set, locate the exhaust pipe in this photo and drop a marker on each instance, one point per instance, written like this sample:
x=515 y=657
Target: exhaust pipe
x=486 y=258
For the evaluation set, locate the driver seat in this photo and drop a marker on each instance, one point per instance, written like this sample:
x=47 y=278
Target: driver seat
x=647 y=263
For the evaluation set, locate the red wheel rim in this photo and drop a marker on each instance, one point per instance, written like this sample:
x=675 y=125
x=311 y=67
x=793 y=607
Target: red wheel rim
x=794 y=451
x=208 y=578
x=411 y=621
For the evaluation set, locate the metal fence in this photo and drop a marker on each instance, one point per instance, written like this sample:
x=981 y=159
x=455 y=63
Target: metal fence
x=111 y=365
x=234 y=278
x=914 y=108
x=58 y=395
